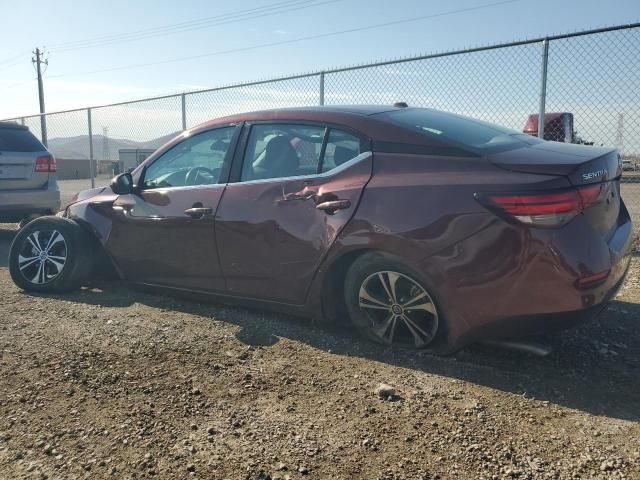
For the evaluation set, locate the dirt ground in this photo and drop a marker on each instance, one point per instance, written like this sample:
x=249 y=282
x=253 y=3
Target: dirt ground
x=113 y=383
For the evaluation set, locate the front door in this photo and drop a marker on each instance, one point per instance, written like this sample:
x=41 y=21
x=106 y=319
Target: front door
x=298 y=187
x=164 y=233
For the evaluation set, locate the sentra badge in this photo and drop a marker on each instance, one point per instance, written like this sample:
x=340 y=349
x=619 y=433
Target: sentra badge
x=592 y=175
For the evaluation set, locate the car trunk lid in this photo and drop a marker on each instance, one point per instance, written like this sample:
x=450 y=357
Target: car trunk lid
x=583 y=166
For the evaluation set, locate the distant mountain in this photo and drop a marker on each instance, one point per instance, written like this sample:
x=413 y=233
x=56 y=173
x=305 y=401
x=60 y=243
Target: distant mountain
x=78 y=147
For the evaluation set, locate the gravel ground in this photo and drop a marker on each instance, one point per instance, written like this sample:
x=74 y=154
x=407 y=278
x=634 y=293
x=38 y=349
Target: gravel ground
x=113 y=383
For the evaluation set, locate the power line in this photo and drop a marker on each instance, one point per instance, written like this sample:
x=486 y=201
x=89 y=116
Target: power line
x=170 y=26
x=232 y=17
x=17 y=84
x=4 y=67
x=286 y=42
x=11 y=59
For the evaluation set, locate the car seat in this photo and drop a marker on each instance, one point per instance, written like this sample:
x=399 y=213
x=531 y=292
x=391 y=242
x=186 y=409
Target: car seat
x=281 y=159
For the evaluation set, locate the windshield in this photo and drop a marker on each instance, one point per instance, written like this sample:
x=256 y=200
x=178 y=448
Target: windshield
x=475 y=134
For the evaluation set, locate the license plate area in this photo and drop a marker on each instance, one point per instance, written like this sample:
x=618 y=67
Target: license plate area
x=8 y=172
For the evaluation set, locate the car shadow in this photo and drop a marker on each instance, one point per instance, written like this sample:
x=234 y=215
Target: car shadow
x=593 y=368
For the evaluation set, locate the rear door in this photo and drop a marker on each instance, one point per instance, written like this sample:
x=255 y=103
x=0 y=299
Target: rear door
x=292 y=191
x=19 y=150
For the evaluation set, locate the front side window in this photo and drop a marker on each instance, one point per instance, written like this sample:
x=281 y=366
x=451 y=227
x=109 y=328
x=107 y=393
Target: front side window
x=197 y=160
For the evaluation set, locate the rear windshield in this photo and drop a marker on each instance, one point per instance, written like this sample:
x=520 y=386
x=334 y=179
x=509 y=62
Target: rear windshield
x=19 y=140
x=476 y=135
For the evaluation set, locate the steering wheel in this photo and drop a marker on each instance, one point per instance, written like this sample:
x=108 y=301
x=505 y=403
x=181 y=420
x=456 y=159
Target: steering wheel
x=192 y=175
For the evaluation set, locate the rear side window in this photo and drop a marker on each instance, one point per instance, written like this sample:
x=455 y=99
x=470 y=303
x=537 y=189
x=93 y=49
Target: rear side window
x=290 y=150
x=341 y=147
x=477 y=135
x=278 y=150
x=19 y=140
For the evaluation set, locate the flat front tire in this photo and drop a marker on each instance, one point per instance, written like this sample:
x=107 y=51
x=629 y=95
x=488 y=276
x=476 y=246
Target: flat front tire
x=389 y=305
x=49 y=255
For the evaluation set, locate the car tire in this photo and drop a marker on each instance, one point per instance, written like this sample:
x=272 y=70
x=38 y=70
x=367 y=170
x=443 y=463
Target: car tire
x=389 y=305
x=50 y=255
x=29 y=218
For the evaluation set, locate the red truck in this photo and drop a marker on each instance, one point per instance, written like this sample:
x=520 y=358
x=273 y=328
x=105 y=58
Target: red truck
x=558 y=126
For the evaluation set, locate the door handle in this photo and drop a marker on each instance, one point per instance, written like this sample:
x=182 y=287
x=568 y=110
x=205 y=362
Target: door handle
x=333 y=206
x=198 y=212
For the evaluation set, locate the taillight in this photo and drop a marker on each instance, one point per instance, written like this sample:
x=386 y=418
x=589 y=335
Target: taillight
x=546 y=209
x=45 y=164
x=590 y=194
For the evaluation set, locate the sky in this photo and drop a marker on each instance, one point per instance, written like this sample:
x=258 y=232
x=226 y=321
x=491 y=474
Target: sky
x=89 y=65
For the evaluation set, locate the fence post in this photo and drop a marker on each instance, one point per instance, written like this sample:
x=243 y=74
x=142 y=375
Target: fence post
x=321 y=88
x=22 y=121
x=91 y=166
x=543 y=87
x=184 y=112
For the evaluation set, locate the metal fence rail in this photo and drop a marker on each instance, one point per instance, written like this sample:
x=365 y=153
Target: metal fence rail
x=593 y=75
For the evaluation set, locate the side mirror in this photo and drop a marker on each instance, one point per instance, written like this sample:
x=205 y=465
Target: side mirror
x=122 y=184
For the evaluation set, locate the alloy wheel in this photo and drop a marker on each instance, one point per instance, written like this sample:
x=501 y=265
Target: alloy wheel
x=43 y=256
x=399 y=309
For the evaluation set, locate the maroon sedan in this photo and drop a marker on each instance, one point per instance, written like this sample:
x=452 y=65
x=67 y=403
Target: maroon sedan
x=426 y=229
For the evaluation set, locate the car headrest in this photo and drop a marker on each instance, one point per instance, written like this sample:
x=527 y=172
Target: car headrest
x=281 y=157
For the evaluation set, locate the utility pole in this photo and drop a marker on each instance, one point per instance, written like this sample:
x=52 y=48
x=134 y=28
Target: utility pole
x=38 y=61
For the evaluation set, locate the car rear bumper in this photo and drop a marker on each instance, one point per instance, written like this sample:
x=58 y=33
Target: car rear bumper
x=537 y=324
x=18 y=204
x=530 y=286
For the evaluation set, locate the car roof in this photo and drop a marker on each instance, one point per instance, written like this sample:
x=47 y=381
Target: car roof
x=355 y=116
x=353 y=109
x=335 y=113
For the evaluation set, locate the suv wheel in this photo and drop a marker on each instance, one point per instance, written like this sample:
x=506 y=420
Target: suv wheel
x=49 y=255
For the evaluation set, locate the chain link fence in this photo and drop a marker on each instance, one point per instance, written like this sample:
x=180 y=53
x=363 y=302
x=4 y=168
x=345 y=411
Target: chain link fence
x=582 y=87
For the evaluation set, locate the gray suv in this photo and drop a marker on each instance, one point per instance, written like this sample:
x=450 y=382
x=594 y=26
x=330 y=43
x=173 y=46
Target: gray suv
x=28 y=185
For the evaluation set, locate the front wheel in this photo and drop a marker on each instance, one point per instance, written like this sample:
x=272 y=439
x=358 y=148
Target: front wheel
x=49 y=255
x=389 y=305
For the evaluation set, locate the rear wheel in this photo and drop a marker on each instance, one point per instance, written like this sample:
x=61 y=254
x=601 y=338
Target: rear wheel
x=389 y=305
x=49 y=255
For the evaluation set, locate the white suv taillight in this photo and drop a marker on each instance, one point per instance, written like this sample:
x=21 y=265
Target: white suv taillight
x=46 y=164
